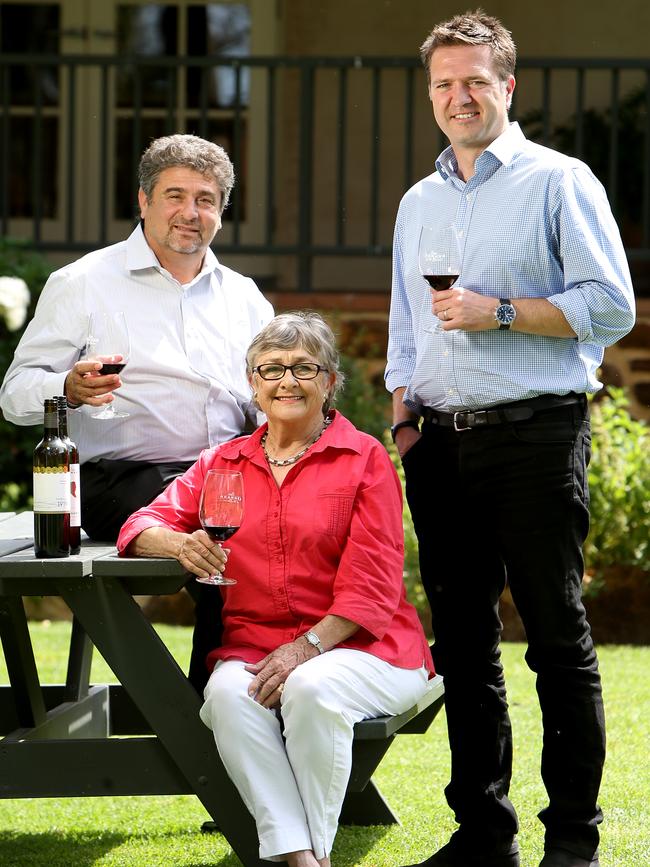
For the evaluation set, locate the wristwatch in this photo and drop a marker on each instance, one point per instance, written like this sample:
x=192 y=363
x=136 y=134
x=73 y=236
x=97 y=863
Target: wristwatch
x=409 y=422
x=314 y=640
x=505 y=314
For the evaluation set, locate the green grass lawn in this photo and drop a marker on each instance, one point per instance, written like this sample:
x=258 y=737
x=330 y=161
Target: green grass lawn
x=164 y=831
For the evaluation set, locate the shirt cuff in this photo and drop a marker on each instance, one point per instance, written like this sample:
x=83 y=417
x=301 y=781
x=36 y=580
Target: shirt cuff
x=572 y=304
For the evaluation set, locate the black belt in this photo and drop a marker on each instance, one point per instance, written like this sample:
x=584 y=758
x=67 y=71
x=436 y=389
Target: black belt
x=519 y=410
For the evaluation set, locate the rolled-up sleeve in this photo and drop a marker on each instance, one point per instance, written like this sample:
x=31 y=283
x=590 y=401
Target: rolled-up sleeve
x=598 y=300
x=177 y=508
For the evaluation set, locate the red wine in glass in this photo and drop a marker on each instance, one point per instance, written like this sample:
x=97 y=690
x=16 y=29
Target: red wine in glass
x=439 y=256
x=219 y=534
x=221 y=511
x=441 y=281
x=112 y=367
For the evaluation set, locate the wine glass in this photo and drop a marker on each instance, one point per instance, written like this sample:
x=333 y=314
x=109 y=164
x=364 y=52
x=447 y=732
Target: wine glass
x=108 y=342
x=439 y=256
x=221 y=511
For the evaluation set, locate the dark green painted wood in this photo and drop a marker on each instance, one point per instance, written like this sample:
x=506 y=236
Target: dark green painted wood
x=27 y=697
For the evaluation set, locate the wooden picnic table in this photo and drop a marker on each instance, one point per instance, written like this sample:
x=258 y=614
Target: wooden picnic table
x=143 y=735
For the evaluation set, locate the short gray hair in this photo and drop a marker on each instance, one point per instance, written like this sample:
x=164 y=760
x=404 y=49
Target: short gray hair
x=300 y=329
x=186 y=151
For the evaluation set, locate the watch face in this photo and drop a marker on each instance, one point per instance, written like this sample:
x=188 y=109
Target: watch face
x=505 y=314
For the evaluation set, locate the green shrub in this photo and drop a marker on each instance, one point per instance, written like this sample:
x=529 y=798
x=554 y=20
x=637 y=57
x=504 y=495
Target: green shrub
x=619 y=481
x=16 y=442
x=364 y=403
x=412 y=580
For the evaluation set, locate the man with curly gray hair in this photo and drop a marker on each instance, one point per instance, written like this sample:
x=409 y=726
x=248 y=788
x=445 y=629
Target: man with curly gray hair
x=190 y=152
x=190 y=320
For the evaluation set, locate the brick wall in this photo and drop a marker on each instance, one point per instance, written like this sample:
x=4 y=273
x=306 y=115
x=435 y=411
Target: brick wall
x=628 y=362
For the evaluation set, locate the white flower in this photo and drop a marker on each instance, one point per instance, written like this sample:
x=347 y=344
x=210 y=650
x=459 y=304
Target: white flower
x=14 y=301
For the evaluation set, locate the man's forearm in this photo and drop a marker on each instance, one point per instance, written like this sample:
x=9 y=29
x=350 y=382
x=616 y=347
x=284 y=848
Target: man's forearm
x=539 y=316
x=400 y=411
x=466 y=310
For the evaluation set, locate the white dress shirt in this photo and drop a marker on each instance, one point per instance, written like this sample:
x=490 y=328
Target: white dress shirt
x=185 y=385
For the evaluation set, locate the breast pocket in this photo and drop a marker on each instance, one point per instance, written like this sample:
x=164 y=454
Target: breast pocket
x=334 y=510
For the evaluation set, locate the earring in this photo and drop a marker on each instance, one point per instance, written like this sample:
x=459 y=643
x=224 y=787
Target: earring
x=325 y=396
x=254 y=395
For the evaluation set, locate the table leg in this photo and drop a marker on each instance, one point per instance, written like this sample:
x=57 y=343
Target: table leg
x=21 y=665
x=80 y=658
x=157 y=686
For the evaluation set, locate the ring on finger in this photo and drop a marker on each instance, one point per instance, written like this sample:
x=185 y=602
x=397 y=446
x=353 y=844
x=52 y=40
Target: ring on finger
x=280 y=688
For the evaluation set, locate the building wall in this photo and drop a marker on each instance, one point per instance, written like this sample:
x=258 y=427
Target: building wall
x=553 y=28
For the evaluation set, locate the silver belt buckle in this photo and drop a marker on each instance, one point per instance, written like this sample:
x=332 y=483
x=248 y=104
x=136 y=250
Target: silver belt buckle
x=456 y=425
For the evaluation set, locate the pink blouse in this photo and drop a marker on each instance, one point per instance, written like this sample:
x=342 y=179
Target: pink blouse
x=328 y=540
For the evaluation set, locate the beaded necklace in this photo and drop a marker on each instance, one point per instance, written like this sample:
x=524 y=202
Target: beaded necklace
x=292 y=460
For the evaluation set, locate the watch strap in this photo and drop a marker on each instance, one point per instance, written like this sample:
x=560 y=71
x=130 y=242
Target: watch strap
x=409 y=422
x=314 y=640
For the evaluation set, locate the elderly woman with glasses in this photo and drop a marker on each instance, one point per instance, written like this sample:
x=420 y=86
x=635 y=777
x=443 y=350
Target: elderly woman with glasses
x=317 y=631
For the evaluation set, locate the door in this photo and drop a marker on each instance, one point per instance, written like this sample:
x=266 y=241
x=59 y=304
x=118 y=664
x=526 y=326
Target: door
x=74 y=130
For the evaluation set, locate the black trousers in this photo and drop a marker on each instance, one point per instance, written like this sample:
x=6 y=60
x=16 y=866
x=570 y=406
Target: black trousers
x=511 y=501
x=110 y=492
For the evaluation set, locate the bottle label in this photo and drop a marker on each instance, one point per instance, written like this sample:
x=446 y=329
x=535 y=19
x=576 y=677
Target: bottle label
x=51 y=492
x=75 y=496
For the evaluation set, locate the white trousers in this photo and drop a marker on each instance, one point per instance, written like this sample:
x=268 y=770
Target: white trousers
x=294 y=788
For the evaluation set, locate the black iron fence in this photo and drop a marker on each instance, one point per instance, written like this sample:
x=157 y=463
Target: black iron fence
x=323 y=149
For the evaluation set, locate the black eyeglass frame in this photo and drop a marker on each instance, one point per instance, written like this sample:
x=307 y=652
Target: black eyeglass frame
x=290 y=367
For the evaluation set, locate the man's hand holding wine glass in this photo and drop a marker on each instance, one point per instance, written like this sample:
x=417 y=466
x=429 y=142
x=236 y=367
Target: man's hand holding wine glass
x=107 y=351
x=86 y=383
x=440 y=259
x=460 y=308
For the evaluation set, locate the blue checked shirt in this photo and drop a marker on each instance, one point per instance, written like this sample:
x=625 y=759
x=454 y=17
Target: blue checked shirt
x=533 y=223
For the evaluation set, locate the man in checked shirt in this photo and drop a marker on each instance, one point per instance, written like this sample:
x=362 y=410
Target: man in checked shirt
x=498 y=368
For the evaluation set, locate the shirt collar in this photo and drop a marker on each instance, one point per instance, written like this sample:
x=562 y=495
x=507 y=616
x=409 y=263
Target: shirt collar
x=340 y=434
x=140 y=256
x=504 y=148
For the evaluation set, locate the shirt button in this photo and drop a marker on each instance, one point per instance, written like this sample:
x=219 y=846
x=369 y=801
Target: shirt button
x=446 y=353
x=451 y=391
x=460 y=233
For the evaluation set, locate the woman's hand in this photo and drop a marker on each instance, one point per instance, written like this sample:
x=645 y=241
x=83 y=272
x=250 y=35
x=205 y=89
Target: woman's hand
x=200 y=554
x=196 y=551
x=272 y=671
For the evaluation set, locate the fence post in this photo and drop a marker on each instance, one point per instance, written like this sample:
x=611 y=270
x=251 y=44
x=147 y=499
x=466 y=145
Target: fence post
x=305 y=181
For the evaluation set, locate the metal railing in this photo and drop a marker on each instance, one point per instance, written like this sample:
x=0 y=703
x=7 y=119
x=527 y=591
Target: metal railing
x=323 y=148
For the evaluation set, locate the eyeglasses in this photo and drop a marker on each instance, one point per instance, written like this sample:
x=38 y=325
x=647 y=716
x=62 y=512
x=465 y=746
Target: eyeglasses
x=302 y=370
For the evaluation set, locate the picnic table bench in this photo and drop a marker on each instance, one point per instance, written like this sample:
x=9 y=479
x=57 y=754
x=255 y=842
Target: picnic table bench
x=143 y=735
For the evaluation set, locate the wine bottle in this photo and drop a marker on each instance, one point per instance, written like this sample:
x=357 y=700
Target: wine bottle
x=75 y=480
x=51 y=489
